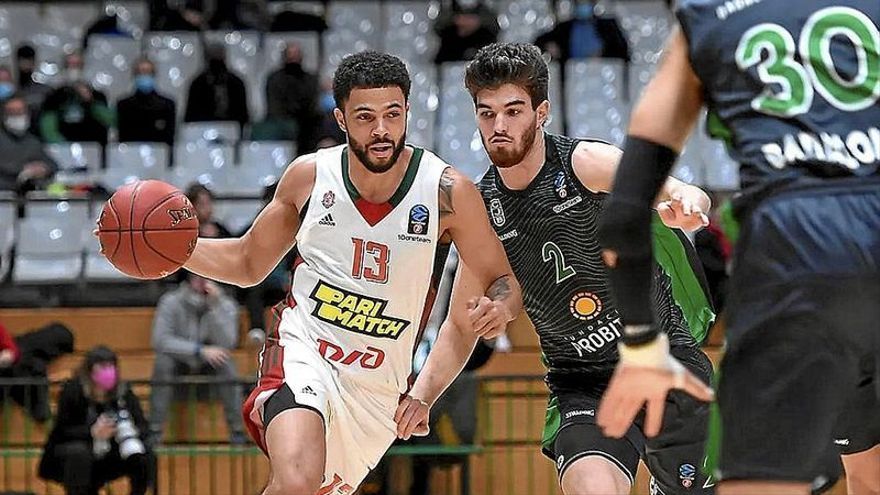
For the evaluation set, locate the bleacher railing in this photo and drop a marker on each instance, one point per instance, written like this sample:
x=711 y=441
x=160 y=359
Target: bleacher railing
x=195 y=456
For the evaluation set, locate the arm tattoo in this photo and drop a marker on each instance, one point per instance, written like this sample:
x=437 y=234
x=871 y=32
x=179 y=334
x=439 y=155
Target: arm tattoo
x=500 y=288
x=447 y=180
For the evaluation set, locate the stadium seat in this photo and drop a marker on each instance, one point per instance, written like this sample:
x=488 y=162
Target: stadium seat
x=270 y=61
x=459 y=141
x=237 y=214
x=523 y=20
x=128 y=162
x=639 y=77
x=557 y=110
x=594 y=102
x=108 y=65
x=409 y=30
x=355 y=26
x=647 y=24
x=179 y=58
x=720 y=171
x=208 y=165
x=50 y=242
x=133 y=15
x=424 y=99
x=77 y=162
x=18 y=20
x=8 y=215
x=261 y=163
x=97 y=268
x=209 y=133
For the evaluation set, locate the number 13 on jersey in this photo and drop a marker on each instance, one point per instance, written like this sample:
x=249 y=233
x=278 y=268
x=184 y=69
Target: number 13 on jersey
x=370 y=261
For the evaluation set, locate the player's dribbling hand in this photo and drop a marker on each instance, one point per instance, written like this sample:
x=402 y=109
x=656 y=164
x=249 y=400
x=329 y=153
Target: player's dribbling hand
x=412 y=418
x=682 y=213
x=634 y=386
x=488 y=318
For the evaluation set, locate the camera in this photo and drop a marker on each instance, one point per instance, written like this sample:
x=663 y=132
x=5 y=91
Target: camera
x=127 y=435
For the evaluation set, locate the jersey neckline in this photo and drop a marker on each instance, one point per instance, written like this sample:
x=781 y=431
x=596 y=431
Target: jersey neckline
x=373 y=213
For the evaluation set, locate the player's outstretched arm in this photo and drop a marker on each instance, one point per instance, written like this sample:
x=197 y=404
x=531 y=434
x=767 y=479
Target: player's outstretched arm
x=480 y=250
x=679 y=204
x=451 y=351
x=247 y=260
x=659 y=126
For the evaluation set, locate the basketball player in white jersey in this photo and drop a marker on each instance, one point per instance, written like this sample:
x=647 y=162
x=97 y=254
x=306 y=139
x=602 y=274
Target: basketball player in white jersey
x=370 y=222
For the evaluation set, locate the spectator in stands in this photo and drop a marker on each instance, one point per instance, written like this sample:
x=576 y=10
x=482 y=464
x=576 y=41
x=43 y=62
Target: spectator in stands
x=589 y=34
x=7 y=83
x=217 y=93
x=189 y=17
x=28 y=356
x=465 y=28
x=76 y=112
x=202 y=200
x=34 y=93
x=146 y=115
x=24 y=165
x=99 y=432
x=292 y=96
x=194 y=330
x=329 y=133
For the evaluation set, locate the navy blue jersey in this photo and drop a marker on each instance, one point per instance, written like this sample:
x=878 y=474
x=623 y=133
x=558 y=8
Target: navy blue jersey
x=792 y=85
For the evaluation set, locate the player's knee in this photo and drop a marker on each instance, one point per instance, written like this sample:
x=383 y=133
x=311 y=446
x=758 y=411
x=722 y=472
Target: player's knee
x=594 y=475
x=293 y=481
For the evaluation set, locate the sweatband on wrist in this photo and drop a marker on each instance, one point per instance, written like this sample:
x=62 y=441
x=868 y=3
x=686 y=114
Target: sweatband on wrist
x=654 y=354
x=642 y=171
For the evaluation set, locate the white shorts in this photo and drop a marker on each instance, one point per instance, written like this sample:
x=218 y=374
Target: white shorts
x=358 y=422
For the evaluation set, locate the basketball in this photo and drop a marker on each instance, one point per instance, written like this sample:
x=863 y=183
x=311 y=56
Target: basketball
x=148 y=229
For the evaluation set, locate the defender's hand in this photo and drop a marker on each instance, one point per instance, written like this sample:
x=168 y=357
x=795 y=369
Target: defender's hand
x=488 y=318
x=412 y=418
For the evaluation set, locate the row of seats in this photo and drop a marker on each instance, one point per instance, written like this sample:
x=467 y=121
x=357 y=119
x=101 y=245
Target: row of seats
x=404 y=28
x=54 y=242
x=258 y=164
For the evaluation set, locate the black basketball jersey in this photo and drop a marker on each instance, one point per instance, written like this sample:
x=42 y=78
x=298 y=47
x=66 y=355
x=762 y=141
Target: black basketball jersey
x=549 y=233
x=793 y=86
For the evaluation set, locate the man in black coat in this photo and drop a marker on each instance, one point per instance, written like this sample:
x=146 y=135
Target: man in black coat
x=146 y=115
x=217 y=93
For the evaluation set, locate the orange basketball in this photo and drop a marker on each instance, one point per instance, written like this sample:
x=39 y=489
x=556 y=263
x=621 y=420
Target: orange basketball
x=148 y=229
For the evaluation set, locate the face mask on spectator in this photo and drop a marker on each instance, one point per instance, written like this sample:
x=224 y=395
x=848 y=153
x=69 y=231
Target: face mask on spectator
x=6 y=90
x=145 y=83
x=327 y=102
x=17 y=124
x=105 y=377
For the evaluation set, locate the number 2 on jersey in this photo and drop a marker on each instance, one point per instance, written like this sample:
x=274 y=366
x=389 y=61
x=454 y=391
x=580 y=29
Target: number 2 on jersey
x=551 y=251
x=816 y=69
x=379 y=253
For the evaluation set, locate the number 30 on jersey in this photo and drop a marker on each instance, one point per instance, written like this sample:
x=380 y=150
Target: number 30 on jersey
x=816 y=70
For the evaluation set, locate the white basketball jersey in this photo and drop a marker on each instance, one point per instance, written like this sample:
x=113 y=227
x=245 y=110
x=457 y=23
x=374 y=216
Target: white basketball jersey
x=363 y=275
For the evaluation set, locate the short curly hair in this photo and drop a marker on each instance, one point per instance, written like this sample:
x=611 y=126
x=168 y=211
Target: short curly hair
x=366 y=70
x=519 y=64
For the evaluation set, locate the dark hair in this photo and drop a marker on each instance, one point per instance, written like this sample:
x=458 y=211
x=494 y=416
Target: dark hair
x=97 y=354
x=25 y=51
x=193 y=191
x=519 y=64
x=366 y=70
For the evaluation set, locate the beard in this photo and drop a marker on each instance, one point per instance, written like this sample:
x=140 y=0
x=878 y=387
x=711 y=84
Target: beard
x=512 y=154
x=377 y=167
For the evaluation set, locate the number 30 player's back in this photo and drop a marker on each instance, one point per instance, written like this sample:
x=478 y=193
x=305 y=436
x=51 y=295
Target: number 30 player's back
x=792 y=86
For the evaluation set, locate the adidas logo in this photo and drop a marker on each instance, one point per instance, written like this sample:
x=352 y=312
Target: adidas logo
x=308 y=390
x=327 y=220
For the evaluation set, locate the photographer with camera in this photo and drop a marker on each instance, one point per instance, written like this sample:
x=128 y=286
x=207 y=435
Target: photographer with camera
x=99 y=431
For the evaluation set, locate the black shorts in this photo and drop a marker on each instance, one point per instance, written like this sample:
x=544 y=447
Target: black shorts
x=858 y=428
x=675 y=457
x=802 y=317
